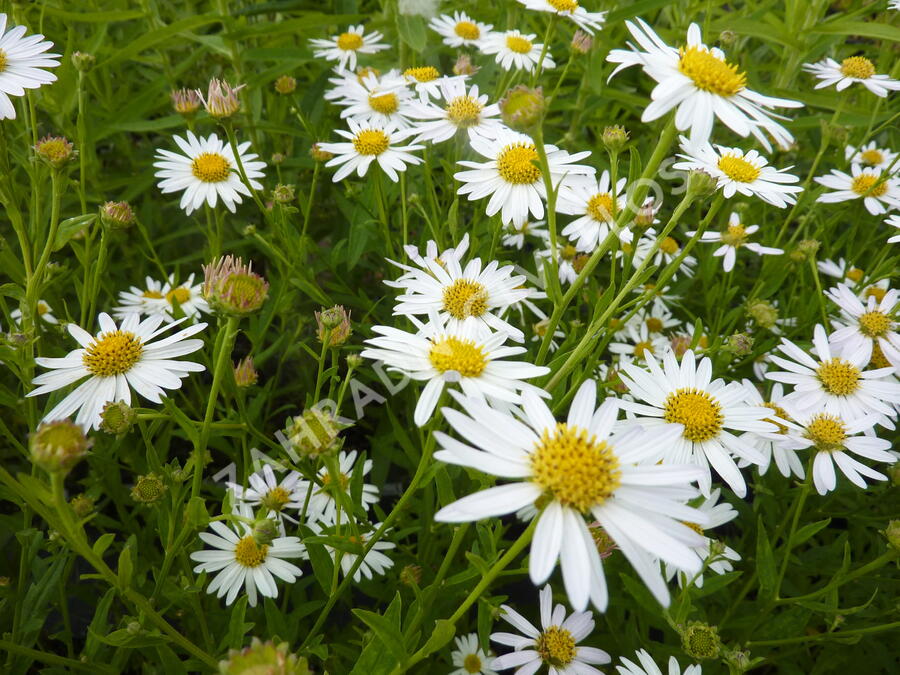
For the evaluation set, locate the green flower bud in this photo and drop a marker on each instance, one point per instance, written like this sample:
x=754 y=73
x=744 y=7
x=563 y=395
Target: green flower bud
x=701 y=641
x=117 y=418
x=149 y=489
x=59 y=445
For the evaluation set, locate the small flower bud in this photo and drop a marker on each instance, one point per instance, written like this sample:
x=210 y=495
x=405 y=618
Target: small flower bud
x=727 y=37
x=614 y=137
x=318 y=154
x=263 y=658
x=764 y=313
x=354 y=361
x=283 y=194
x=700 y=183
x=646 y=215
x=133 y=627
x=82 y=505
x=55 y=151
x=149 y=489
x=739 y=344
x=411 y=575
x=313 y=433
x=221 y=100
x=186 y=102
x=117 y=418
x=808 y=248
x=245 y=374
x=265 y=531
x=285 y=85
x=277 y=158
x=83 y=61
x=464 y=65
x=58 y=445
x=231 y=287
x=701 y=641
x=523 y=107
x=333 y=324
x=117 y=215
x=892 y=534
x=582 y=42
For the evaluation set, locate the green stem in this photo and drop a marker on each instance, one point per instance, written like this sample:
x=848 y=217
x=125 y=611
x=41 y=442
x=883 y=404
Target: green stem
x=798 y=509
x=862 y=571
x=826 y=636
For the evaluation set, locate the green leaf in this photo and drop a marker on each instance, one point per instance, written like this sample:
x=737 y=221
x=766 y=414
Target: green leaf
x=443 y=632
x=102 y=543
x=12 y=291
x=387 y=632
x=640 y=593
x=412 y=31
x=154 y=37
x=765 y=561
x=810 y=530
x=125 y=567
x=197 y=515
x=874 y=29
x=125 y=638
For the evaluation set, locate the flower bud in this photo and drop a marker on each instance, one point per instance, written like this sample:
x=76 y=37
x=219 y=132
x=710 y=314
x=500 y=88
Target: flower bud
x=263 y=658
x=285 y=85
x=333 y=324
x=83 y=61
x=727 y=37
x=808 y=248
x=411 y=575
x=149 y=489
x=283 y=194
x=58 y=445
x=614 y=137
x=117 y=418
x=232 y=288
x=892 y=534
x=313 y=433
x=82 y=505
x=277 y=158
x=764 y=313
x=701 y=641
x=221 y=100
x=186 y=102
x=245 y=374
x=117 y=215
x=700 y=183
x=739 y=344
x=55 y=151
x=265 y=531
x=464 y=65
x=318 y=154
x=646 y=215
x=523 y=107
x=582 y=42
x=354 y=361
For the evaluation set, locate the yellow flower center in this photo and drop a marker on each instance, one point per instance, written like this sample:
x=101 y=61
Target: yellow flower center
x=780 y=414
x=386 y=104
x=516 y=164
x=572 y=467
x=276 y=498
x=857 y=66
x=872 y=157
x=601 y=207
x=826 y=431
x=342 y=479
x=180 y=295
x=568 y=252
x=153 y=295
x=464 y=298
x=3 y=60
x=878 y=360
x=423 y=73
x=371 y=142
x=42 y=308
x=669 y=245
x=349 y=41
x=855 y=274
x=518 y=44
x=556 y=646
x=709 y=73
x=472 y=663
x=641 y=348
x=875 y=292
x=738 y=169
x=654 y=325
x=210 y=167
x=467 y=30
x=699 y=412
x=112 y=353
x=838 y=377
x=250 y=554
x=735 y=235
x=865 y=185
x=464 y=111
x=463 y=356
x=564 y=5
x=875 y=324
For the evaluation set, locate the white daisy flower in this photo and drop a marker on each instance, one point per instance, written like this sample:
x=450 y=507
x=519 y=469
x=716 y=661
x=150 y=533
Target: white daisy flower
x=833 y=438
x=464 y=355
x=376 y=562
x=850 y=70
x=367 y=144
x=427 y=81
x=554 y=645
x=460 y=30
x=118 y=359
x=566 y=259
x=322 y=504
x=648 y=666
x=893 y=221
x=207 y=172
x=44 y=311
x=593 y=203
x=840 y=270
x=160 y=298
x=469 y=658
x=570 y=9
x=669 y=249
x=773 y=445
x=343 y=48
x=701 y=85
x=835 y=381
x=657 y=317
x=265 y=489
x=879 y=193
x=512 y=177
x=373 y=101
x=736 y=172
x=733 y=238
x=639 y=341
x=21 y=62
x=343 y=79
x=456 y=109
x=442 y=258
x=579 y=470
x=459 y=293
x=516 y=50
x=242 y=562
x=703 y=411
x=516 y=233
x=873 y=323
x=870 y=155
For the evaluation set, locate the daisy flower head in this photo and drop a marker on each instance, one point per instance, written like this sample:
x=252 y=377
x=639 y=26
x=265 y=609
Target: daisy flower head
x=322 y=504
x=22 y=60
x=701 y=85
x=835 y=381
x=243 y=562
x=873 y=322
x=44 y=311
x=880 y=193
x=737 y=172
x=568 y=261
x=344 y=48
x=570 y=9
x=427 y=80
x=669 y=250
x=161 y=298
x=637 y=342
x=512 y=177
x=647 y=666
x=460 y=30
x=850 y=70
x=834 y=439
x=893 y=221
x=515 y=234
x=377 y=101
x=554 y=645
x=468 y=658
x=457 y=293
x=870 y=155
x=734 y=237
x=515 y=50
x=115 y=361
x=841 y=269
x=207 y=172
x=442 y=258
x=266 y=490
x=774 y=445
x=455 y=108
x=464 y=355
x=578 y=469
x=376 y=561
x=367 y=143
x=597 y=208
x=704 y=412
